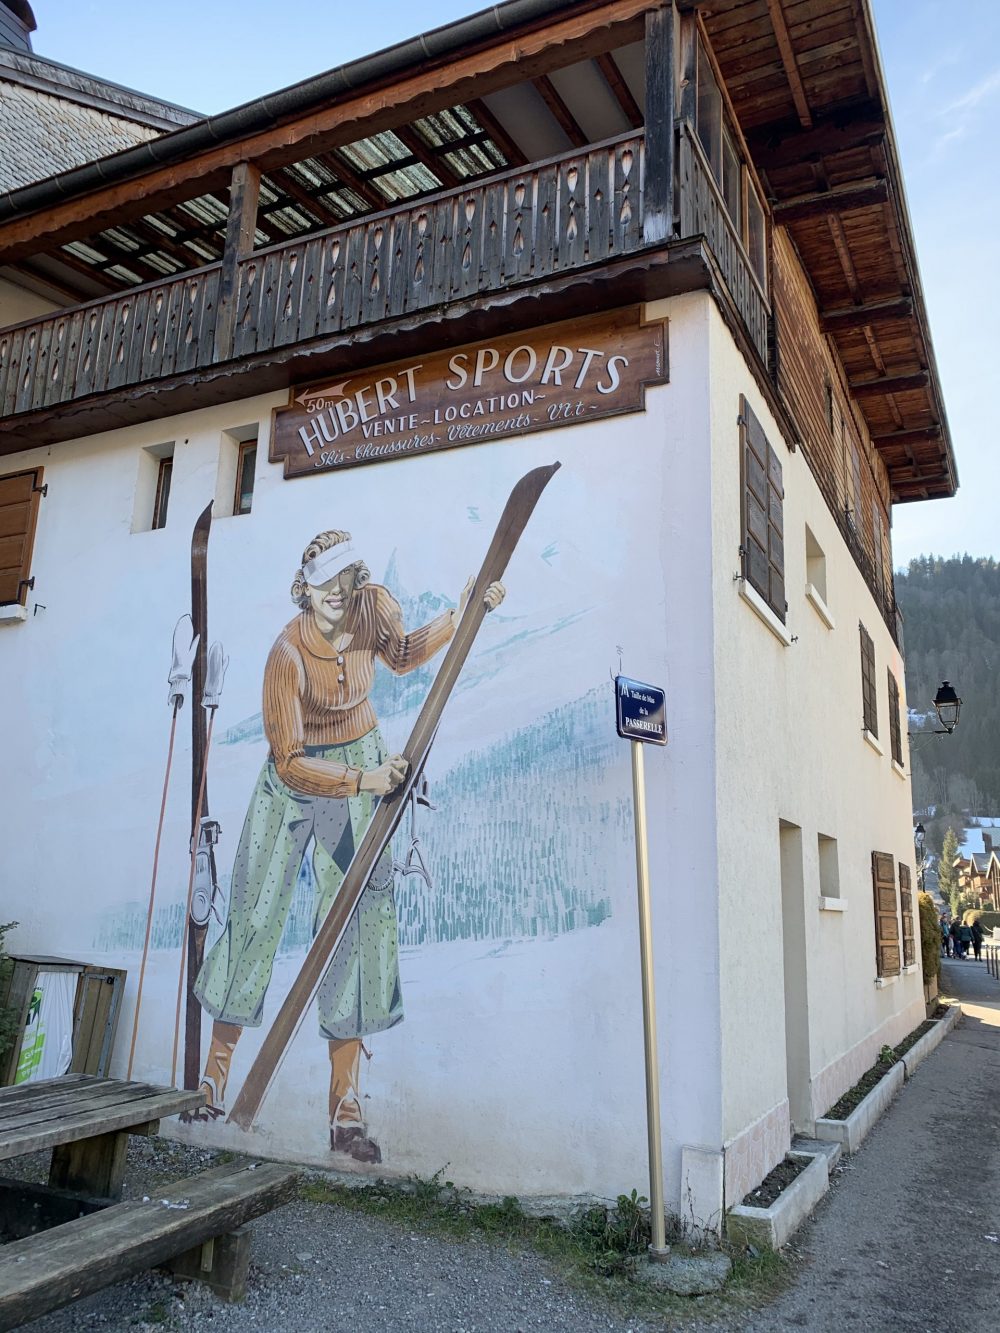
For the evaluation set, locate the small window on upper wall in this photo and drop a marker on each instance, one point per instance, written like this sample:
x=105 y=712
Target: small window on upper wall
x=246 y=468
x=763 y=541
x=869 y=694
x=162 y=499
x=895 y=726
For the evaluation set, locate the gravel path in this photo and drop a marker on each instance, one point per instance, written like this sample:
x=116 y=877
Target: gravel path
x=321 y=1267
x=905 y=1240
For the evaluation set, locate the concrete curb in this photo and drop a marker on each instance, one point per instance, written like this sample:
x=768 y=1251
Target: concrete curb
x=852 y=1131
x=931 y=1039
x=770 y=1228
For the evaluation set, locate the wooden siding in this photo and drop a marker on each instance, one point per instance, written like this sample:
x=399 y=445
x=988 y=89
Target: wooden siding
x=806 y=365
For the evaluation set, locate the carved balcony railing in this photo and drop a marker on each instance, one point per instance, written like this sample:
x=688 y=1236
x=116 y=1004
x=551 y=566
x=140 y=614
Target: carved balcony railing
x=703 y=212
x=521 y=226
x=528 y=224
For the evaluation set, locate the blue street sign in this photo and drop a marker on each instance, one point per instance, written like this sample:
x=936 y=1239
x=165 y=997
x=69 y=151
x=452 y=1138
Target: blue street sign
x=641 y=711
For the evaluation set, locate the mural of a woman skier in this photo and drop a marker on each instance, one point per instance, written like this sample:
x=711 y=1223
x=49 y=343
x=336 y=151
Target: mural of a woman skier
x=325 y=771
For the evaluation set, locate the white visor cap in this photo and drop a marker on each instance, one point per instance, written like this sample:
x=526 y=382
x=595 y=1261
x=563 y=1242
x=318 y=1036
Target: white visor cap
x=328 y=564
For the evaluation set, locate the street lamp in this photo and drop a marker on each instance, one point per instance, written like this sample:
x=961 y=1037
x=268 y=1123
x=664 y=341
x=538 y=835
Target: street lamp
x=947 y=705
x=919 y=833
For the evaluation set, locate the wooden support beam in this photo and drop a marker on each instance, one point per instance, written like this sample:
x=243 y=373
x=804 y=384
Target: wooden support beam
x=107 y=282
x=789 y=63
x=345 y=173
x=496 y=131
x=658 y=220
x=824 y=202
x=875 y=388
x=241 y=229
x=789 y=145
x=856 y=316
x=840 y=244
x=623 y=94
x=422 y=151
x=579 y=33
x=560 y=111
x=284 y=180
x=904 y=438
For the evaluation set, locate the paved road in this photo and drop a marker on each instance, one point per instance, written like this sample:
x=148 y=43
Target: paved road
x=909 y=1235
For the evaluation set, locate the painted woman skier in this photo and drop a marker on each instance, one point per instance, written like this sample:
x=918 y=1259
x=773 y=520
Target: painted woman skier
x=326 y=769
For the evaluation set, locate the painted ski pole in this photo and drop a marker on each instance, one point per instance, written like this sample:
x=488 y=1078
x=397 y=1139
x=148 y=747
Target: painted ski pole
x=184 y=648
x=390 y=809
x=214 y=677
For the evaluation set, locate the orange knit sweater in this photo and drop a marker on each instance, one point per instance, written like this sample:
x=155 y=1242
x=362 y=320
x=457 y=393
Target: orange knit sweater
x=316 y=689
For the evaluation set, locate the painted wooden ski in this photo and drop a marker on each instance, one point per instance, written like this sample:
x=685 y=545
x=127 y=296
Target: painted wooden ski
x=195 y=934
x=391 y=809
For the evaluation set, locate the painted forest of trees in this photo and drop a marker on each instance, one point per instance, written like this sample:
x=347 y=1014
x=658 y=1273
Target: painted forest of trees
x=951 y=612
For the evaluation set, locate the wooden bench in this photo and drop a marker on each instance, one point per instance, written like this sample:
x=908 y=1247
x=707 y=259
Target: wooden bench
x=197 y=1227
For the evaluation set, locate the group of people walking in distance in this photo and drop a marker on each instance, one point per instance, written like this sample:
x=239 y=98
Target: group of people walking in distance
x=957 y=938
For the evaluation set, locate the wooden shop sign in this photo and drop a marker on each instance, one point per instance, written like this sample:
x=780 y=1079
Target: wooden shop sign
x=561 y=375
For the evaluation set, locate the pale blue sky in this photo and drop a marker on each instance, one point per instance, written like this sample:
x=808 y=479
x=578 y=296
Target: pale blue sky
x=942 y=65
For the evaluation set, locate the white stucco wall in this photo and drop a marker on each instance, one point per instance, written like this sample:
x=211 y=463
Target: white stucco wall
x=519 y=1064
x=17 y=303
x=790 y=748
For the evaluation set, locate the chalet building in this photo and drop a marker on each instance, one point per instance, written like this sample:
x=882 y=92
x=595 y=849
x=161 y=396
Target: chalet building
x=274 y=384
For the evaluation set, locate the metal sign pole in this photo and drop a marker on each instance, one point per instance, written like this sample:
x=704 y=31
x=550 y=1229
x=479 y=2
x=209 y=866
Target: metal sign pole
x=659 y=1248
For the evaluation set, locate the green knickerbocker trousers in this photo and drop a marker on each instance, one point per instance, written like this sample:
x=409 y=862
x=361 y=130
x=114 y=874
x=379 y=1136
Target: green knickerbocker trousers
x=360 y=992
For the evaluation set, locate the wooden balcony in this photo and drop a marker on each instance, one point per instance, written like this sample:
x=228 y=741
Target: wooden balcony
x=521 y=230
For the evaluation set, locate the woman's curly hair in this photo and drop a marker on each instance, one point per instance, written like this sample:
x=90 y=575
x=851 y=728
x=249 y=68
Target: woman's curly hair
x=320 y=543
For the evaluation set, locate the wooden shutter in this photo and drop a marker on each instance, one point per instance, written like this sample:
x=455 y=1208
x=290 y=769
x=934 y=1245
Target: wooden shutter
x=20 y=493
x=895 y=730
x=906 y=913
x=763 y=517
x=869 y=694
x=886 y=921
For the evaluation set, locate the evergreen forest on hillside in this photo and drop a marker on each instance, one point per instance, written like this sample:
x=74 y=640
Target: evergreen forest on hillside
x=951 y=611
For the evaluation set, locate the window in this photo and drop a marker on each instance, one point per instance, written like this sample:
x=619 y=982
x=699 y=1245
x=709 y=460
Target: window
x=245 y=469
x=886 y=923
x=869 y=697
x=829 y=866
x=763 y=548
x=895 y=730
x=906 y=913
x=20 y=494
x=815 y=564
x=162 y=499
x=727 y=164
x=854 y=507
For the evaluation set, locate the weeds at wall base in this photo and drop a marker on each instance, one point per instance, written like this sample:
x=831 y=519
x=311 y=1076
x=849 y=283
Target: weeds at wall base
x=598 y=1250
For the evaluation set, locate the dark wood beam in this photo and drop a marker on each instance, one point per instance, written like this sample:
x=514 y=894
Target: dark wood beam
x=789 y=145
x=345 y=173
x=856 y=316
x=843 y=249
x=496 y=131
x=658 y=216
x=613 y=77
x=789 y=63
x=560 y=111
x=412 y=139
x=824 y=202
x=241 y=231
x=285 y=180
x=106 y=281
x=875 y=388
x=904 y=438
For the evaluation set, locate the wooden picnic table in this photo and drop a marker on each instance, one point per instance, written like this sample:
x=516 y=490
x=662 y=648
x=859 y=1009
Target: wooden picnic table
x=86 y=1122
x=71 y=1237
